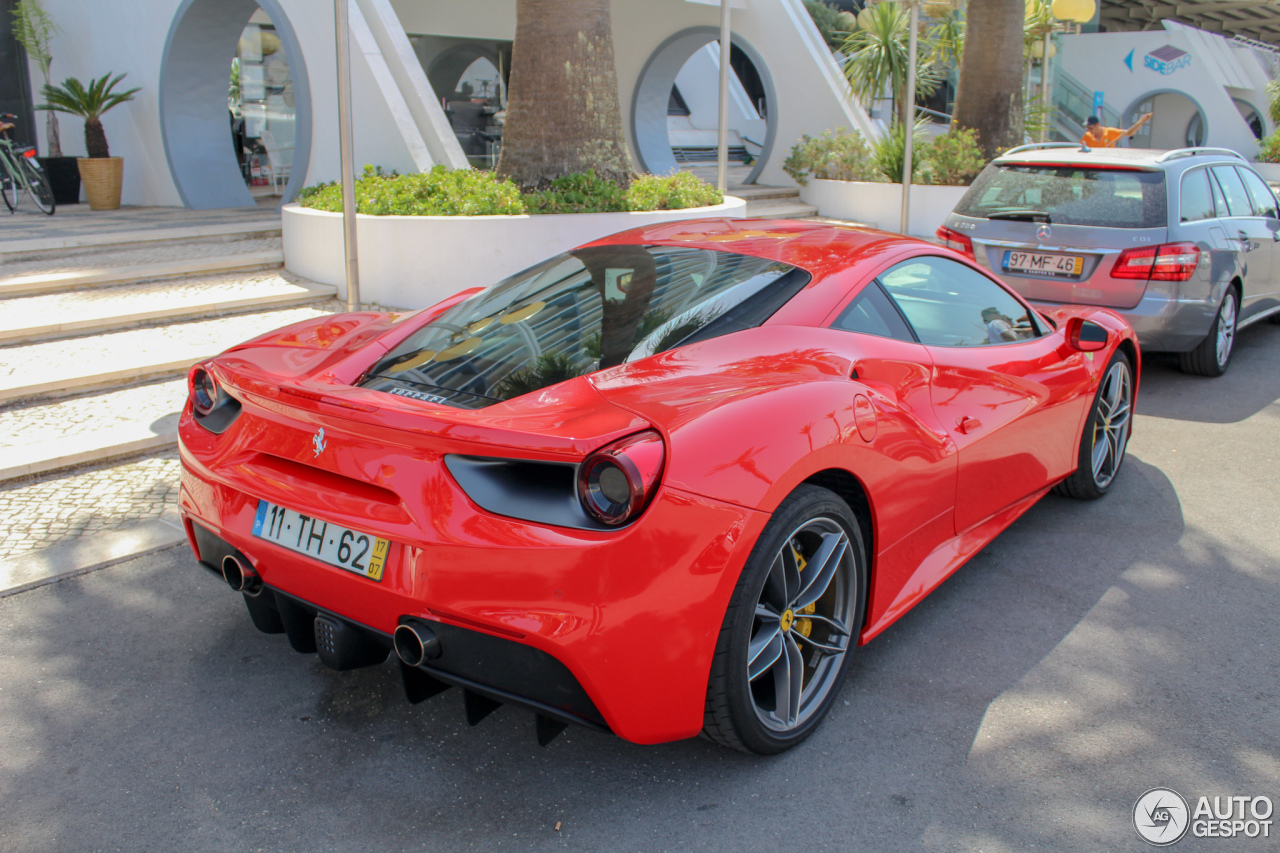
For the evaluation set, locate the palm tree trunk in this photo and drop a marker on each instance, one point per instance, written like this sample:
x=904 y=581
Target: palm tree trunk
x=989 y=94
x=563 y=111
x=95 y=138
x=51 y=133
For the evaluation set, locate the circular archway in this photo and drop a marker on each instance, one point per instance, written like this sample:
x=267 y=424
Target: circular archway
x=650 y=105
x=194 y=119
x=1177 y=121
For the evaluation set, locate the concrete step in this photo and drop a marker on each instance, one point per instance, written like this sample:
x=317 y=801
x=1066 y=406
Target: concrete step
x=757 y=192
x=48 y=237
x=779 y=209
x=45 y=437
x=107 y=309
x=54 y=369
x=27 y=285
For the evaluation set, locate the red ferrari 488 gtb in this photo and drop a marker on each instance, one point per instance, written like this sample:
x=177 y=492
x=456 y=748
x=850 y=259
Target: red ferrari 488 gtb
x=663 y=484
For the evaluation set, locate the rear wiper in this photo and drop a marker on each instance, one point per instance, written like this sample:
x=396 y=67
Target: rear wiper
x=1022 y=216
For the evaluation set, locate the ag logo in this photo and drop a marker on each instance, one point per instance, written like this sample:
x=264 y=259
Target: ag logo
x=317 y=441
x=1161 y=816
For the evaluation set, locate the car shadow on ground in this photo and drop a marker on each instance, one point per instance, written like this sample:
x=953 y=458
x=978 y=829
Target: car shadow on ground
x=1250 y=384
x=140 y=699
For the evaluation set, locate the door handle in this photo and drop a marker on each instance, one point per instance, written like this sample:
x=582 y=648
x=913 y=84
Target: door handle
x=966 y=425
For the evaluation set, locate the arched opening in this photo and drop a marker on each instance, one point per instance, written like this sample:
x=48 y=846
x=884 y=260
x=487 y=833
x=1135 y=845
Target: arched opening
x=680 y=84
x=208 y=150
x=1251 y=117
x=470 y=78
x=1176 y=121
x=693 y=114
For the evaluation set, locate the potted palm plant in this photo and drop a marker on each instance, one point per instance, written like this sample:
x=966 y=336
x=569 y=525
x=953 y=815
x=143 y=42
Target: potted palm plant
x=33 y=28
x=101 y=173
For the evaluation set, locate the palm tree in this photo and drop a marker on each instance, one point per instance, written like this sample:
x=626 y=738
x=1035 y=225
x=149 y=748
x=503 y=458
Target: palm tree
x=880 y=58
x=989 y=94
x=563 y=111
x=89 y=103
x=33 y=28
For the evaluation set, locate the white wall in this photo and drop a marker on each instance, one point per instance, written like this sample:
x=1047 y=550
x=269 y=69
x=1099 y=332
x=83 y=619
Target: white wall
x=117 y=36
x=1098 y=62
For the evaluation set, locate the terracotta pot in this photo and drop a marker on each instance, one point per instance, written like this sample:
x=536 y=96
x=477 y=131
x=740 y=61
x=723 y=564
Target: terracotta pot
x=102 y=177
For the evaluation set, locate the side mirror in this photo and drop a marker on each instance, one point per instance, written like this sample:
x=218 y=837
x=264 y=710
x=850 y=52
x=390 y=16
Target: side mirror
x=1085 y=335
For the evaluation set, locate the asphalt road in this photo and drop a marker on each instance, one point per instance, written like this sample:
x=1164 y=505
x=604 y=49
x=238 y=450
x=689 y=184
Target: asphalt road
x=1094 y=651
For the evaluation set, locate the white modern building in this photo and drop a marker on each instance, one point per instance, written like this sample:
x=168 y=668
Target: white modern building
x=1202 y=88
x=428 y=86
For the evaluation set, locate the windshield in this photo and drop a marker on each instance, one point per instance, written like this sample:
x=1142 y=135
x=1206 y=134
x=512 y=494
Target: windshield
x=580 y=312
x=1068 y=195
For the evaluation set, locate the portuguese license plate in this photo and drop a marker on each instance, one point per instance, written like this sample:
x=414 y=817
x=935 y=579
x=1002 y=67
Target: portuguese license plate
x=1041 y=263
x=330 y=543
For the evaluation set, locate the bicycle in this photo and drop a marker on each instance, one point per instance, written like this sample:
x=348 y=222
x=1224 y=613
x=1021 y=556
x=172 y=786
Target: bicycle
x=19 y=171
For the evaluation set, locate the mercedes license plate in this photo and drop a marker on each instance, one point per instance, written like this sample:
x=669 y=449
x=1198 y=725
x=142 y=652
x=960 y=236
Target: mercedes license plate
x=1041 y=263
x=330 y=543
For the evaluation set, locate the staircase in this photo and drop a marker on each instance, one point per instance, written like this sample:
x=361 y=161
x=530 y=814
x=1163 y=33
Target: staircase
x=97 y=333
x=772 y=202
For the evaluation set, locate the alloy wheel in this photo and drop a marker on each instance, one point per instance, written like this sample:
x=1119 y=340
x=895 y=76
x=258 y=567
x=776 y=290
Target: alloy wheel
x=1226 y=328
x=801 y=629
x=1111 y=423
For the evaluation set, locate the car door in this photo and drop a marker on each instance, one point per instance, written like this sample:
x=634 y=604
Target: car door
x=1266 y=209
x=1007 y=389
x=1256 y=241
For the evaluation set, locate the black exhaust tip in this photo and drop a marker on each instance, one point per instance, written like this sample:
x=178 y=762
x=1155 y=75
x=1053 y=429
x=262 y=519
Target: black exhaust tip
x=415 y=642
x=240 y=576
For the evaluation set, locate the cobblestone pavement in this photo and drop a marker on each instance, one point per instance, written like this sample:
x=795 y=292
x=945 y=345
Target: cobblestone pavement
x=105 y=258
x=81 y=503
x=27 y=312
x=156 y=404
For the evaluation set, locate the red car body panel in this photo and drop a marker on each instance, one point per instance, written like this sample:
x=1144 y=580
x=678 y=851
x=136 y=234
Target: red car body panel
x=950 y=446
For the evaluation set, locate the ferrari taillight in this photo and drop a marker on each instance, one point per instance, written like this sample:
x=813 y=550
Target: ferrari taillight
x=1170 y=262
x=616 y=482
x=955 y=240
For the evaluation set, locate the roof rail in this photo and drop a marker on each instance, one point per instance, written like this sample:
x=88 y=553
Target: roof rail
x=1036 y=146
x=1196 y=152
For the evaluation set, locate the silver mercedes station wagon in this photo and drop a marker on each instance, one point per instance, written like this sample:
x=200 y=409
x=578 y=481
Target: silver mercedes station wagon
x=1185 y=244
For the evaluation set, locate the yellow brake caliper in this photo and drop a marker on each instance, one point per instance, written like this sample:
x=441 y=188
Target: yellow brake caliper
x=804 y=626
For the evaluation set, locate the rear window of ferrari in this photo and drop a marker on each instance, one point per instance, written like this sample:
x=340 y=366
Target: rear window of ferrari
x=1068 y=195
x=581 y=312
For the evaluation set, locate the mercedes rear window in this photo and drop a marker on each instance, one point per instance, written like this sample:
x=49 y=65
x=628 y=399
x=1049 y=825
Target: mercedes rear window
x=580 y=312
x=1068 y=195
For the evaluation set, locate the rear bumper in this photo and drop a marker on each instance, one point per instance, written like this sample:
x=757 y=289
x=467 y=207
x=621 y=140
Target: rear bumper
x=1166 y=322
x=630 y=616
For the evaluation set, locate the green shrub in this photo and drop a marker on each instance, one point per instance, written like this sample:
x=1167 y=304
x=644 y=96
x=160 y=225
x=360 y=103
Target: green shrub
x=676 y=191
x=1269 y=151
x=840 y=156
x=467 y=192
x=890 y=153
x=952 y=159
x=439 y=192
x=583 y=193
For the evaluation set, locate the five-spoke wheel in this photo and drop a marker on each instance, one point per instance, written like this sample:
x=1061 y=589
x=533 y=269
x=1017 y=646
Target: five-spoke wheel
x=790 y=629
x=1106 y=434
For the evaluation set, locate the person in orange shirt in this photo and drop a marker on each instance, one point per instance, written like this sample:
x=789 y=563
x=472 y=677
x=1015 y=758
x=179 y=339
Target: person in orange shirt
x=1097 y=136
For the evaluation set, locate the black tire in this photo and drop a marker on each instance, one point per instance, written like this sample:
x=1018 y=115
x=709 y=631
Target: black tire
x=1106 y=434
x=1212 y=355
x=8 y=189
x=38 y=185
x=745 y=712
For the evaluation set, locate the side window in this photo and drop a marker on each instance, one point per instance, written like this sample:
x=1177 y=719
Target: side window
x=1219 y=200
x=871 y=313
x=1197 y=200
x=948 y=304
x=1264 y=202
x=1233 y=189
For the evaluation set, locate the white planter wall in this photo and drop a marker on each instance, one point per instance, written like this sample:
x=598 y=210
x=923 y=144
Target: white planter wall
x=416 y=261
x=880 y=205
